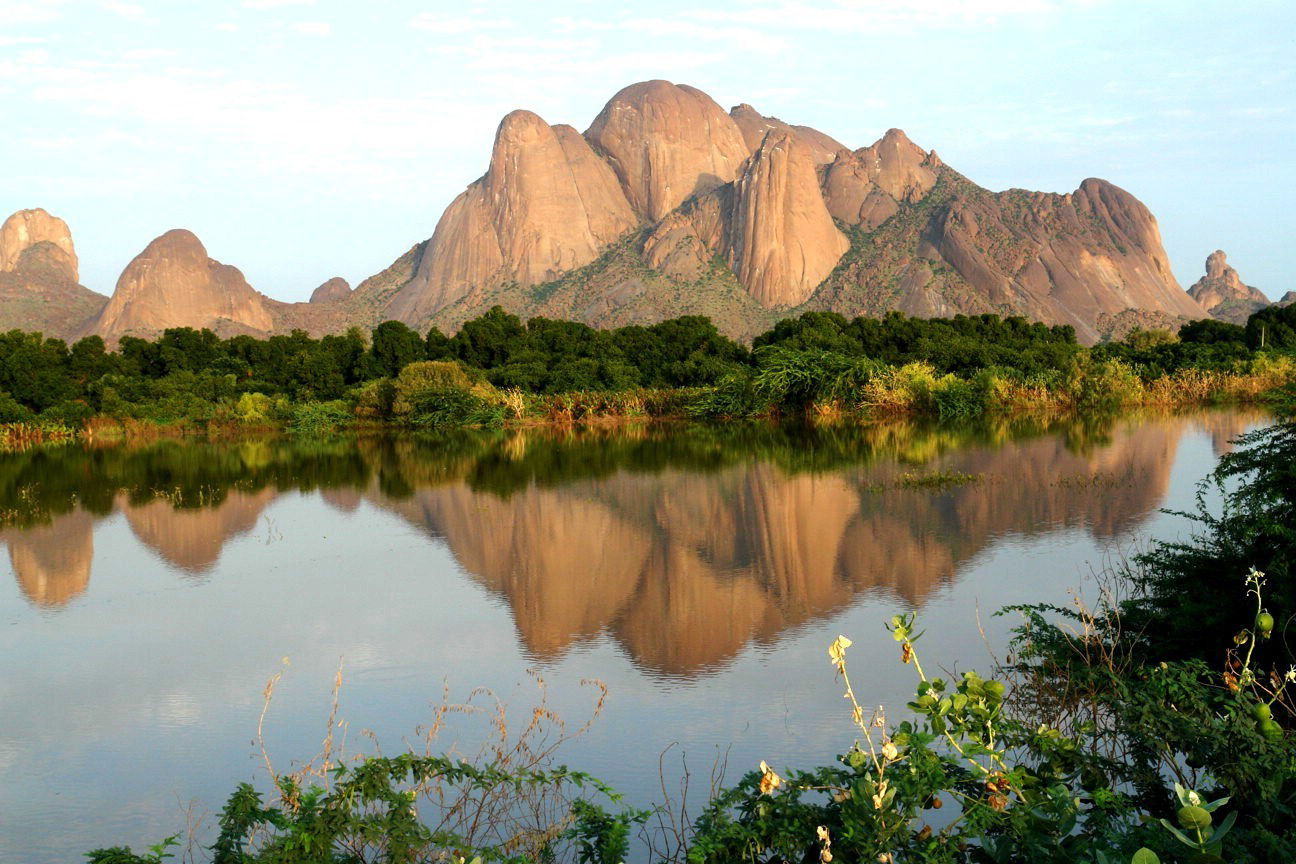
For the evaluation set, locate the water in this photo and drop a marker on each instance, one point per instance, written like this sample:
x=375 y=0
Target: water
x=700 y=573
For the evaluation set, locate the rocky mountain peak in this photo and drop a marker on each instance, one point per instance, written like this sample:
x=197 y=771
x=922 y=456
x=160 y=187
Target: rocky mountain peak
x=546 y=205
x=1222 y=293
x=28 y=229
x=667 y=143
x=754 y=126
x=1217 y=267
x=334 y=289
x=868 y=186
x=770 y=225
x=173 y=283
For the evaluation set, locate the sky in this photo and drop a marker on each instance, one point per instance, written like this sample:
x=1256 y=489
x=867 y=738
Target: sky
x=303 y=139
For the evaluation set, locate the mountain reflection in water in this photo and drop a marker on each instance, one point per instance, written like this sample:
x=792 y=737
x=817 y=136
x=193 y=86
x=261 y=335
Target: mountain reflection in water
x=683 y=543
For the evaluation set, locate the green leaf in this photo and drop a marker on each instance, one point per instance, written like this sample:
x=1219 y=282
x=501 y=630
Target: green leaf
x=1223 y=828
x=1179 y=835
x=1145 y=856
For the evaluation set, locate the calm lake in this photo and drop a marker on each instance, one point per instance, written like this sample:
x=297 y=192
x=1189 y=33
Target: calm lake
x=700 y=572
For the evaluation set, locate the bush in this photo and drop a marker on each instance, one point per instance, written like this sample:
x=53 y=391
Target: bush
x=436 y=375
x=254 y=408
x=436 y=408
x=373 y=400
x=12 y=411
x=319 y=418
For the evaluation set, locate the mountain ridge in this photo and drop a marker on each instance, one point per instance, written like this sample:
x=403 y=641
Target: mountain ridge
x=669 y=205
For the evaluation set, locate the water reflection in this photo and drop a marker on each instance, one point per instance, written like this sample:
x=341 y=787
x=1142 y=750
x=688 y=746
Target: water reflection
x=684 y=544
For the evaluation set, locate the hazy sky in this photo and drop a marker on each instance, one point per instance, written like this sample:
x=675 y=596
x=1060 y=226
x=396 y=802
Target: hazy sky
x=302 y=139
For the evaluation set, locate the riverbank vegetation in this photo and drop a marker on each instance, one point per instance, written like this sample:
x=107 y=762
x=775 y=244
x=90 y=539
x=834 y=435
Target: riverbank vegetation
x=1155 y=725
x=498 y=370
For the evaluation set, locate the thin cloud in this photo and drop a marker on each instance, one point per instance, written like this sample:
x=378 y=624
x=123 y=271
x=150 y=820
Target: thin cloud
x=433 y=22
x=313 y=28
x=125 y=10
x=275 y=4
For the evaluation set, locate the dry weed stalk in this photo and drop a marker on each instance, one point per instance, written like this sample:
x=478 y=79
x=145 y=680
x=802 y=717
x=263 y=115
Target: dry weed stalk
x=517 y=818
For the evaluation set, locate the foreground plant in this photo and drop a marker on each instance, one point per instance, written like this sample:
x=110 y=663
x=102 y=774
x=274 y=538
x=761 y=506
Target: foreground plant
x=980 y=774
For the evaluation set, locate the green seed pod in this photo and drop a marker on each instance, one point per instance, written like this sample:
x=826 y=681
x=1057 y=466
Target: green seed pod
x=1270 y=729
x=1261 y=712
x=1264 y=623
x=1193 y=818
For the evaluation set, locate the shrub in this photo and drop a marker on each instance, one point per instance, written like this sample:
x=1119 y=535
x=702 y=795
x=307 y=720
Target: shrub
x=12 y=411
x=319 y=418
x=254 y=408
x=434 y=408
x=436 y=375
x=373 y=400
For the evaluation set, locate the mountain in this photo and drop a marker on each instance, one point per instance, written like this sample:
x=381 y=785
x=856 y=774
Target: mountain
x=669 y=205
x=1287 y=299
x=173 y=283
x=1222 y=293
x=38 y=277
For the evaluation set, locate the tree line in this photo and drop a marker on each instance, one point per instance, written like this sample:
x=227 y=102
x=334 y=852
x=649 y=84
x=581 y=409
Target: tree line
x=185 y=369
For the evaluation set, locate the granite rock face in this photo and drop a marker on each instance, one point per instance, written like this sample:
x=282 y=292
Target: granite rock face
x=866 y=187
x=38 y=278
x=667 y=143
x=173 y=283
x=755 y=125
x=547 y=204
x=770 y=225
x=1222 y=293
x=27 y=230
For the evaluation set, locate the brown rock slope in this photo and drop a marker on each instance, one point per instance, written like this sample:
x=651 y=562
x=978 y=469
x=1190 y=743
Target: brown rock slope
x=173 y=283
x=1072 y=259
x=868 y=186
x=717 y=217
x=38 y=277
x=1222 y=293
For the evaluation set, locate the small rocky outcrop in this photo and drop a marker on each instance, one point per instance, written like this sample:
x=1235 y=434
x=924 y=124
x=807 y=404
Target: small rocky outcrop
x=755 y=125
x=1287 y=299
x=332 y=291
x=667 y=143
x=33 y=240
x=1222 y=293
x=173 y=283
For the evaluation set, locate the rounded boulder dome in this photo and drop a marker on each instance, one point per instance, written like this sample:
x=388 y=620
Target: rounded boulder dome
x=333 y=290
x=667 y=142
